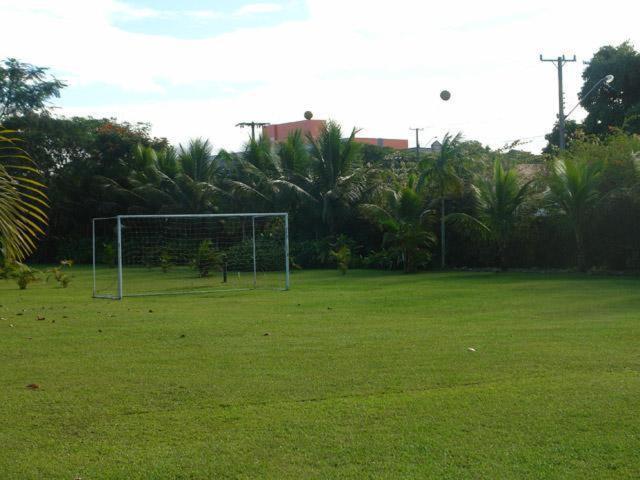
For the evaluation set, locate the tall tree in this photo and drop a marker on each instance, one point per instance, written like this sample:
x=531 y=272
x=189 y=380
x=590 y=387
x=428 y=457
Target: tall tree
x=499 y=202
x=338 y=177
x=444 y=180
x=25 y=88
x=618 y=106
x=573 y=188
x=197 y=176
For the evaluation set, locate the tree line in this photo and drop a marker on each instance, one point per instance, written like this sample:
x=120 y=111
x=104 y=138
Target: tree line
x=350 y=204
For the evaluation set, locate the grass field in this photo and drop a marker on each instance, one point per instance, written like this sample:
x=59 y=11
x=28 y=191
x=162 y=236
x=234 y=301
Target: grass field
x=364 y=376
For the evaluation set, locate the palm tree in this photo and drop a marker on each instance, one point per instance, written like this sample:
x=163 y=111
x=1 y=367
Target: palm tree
x=500 y=200
x=22 y=200
x=338 y=177
x=169 y=180
x=573 y=188
x=294 y=156
x=197 y=176
x=153 y=179
x=441 y=175
x=247 y=177
x=405 y=220
x=260 y=179
x=197 y=160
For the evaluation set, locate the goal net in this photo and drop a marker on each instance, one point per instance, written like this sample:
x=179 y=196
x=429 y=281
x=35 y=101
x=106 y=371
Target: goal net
x=170 y=254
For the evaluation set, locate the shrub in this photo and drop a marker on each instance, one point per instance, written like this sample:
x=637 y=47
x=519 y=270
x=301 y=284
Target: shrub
x=58 y=274
x=342 y=256
x=24 y=275
x=207 y=258
x=165 y=261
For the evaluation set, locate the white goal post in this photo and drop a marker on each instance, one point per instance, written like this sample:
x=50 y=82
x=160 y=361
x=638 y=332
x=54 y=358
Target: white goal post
x=136 y=255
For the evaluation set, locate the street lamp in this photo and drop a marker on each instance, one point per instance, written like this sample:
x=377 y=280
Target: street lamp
x=606 y=80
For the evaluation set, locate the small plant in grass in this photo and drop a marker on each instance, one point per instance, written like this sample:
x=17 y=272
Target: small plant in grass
x=165 y=261
x=207 y=258
x=24 y=275
x=343 y=257
x=109 y=254
x=59 y=275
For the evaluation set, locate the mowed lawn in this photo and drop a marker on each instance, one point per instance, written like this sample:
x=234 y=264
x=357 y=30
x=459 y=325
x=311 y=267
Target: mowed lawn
x=369 y=375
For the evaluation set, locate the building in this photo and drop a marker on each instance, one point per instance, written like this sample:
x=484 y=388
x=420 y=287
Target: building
x=436 y=147
x=278 y=133
x=397 y=143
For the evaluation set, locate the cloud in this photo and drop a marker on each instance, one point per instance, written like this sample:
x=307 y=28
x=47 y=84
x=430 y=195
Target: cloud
x=204 y=14
x=129 y=12
x=375 y=65
x=258 y=8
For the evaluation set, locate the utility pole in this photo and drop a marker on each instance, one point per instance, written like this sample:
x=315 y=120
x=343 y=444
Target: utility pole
x=417 y=130
x=253 y=126
x=559 y=63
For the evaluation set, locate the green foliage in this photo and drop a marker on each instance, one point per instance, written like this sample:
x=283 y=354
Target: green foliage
x=25 y=88
x=23 y=274
x=499 y=203
x=342 y=256
x=239 y=257
x=208 y=258
x=406 y=221
x=573 y=130
x=339 y=180
x=444 y=175
x=617 y=106
x=573 y=189
x=58 y=273
x=109 y=254
x=383 y=259
x=22 y=200
x=6 y=269
x=102 y=167
x=166 y=261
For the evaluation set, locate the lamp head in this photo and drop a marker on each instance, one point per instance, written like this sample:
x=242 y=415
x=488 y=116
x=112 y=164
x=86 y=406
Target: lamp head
x=608 y=79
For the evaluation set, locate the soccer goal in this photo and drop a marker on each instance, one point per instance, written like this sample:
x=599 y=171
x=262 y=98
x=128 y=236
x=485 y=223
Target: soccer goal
x=137 y=255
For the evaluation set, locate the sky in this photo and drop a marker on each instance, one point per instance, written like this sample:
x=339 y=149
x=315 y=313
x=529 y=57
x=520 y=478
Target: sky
x=197 y=68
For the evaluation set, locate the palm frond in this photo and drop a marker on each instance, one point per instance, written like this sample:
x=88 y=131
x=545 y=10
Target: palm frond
x=22 y=200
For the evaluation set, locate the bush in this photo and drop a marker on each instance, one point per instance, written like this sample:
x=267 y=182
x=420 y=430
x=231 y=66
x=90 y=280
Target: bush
x=383 y=259
x=207 y=258
x=58 y=274
x=165 y=261
x=24 y=275
x=269 y=255
x=342 y=256
x=320 y=253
